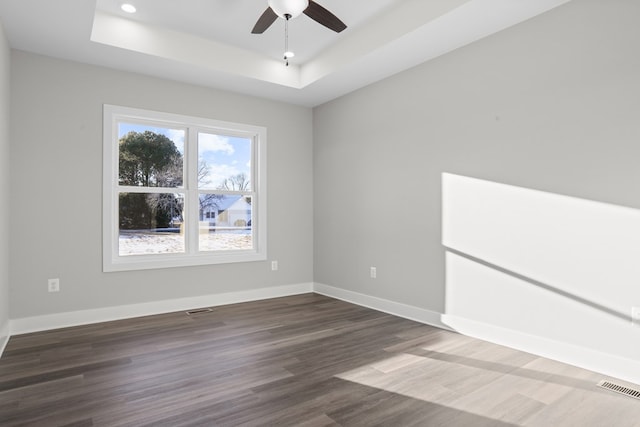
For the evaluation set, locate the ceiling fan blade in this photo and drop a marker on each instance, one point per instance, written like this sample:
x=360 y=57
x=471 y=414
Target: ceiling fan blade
x=324 y=17
x=265 y=21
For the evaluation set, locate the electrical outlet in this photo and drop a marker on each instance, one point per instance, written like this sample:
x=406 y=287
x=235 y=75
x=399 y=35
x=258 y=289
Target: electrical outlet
x=373 y=272
x=274 y=265
x=54 y=285
x=635 y=316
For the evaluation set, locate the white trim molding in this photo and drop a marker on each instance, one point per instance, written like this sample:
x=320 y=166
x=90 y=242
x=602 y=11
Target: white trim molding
x=582 y=357
x=84 y=317
x=410 y=312
x=5 y=334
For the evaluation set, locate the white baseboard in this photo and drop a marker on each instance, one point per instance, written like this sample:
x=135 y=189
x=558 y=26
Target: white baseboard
x=604 y=363
x=582 y=357
x=410 y=312
x=5 y=334
x=84 y=317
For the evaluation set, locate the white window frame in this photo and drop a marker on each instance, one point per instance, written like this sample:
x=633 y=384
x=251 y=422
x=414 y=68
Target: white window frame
x=112 y=261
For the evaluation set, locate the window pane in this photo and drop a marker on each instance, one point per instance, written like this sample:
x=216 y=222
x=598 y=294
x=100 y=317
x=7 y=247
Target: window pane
x=225 y=223
x=150 y=223
x=224 y=162
x=150 y=156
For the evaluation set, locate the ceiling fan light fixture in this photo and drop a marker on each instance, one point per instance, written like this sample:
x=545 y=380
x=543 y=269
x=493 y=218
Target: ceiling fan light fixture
x=129 y=8
x=288 y=54
x=288 y=7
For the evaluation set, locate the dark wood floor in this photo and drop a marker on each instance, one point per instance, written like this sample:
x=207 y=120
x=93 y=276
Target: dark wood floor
x=306 y=360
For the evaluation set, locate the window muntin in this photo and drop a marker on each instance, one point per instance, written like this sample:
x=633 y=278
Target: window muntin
x=181 y=191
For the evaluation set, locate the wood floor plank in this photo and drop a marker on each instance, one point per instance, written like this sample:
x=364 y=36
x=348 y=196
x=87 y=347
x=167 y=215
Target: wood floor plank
x=305 y=360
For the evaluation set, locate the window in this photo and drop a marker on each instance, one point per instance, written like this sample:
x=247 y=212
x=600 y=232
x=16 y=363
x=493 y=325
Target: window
x=181 y=190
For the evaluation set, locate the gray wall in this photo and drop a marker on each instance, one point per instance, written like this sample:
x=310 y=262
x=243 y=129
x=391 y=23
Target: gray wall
x=56 y=197
x=4 y=185
x=551 y=104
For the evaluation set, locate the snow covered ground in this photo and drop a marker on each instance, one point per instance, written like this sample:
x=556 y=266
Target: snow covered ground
x=166 y=243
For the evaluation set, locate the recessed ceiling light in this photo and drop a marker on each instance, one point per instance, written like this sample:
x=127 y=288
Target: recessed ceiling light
x=129 y=8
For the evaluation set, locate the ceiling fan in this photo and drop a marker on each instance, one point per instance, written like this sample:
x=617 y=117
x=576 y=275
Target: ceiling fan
x=288 y=9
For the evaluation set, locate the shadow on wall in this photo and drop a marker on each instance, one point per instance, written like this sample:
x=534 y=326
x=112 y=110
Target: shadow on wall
x=451 y=253
x=544 y=264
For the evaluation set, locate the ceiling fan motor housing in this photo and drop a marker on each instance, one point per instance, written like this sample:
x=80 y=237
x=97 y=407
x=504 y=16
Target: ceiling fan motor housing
x=288 y=7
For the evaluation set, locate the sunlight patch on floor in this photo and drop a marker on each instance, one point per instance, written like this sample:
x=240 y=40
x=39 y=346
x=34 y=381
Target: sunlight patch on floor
x=501 y=385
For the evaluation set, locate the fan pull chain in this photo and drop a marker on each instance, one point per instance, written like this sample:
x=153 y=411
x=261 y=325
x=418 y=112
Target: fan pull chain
x=286 y=39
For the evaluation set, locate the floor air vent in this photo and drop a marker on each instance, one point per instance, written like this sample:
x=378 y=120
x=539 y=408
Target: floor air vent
x=199 y=311
x=620 y=389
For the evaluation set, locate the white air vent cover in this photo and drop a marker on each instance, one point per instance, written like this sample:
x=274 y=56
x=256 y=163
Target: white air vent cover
x=620 y=389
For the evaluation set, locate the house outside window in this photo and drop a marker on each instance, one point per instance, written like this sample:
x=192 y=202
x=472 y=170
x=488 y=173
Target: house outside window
x=180 y=190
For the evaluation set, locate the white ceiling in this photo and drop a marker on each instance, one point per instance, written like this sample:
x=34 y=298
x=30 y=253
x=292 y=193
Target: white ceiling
x=209 y=42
